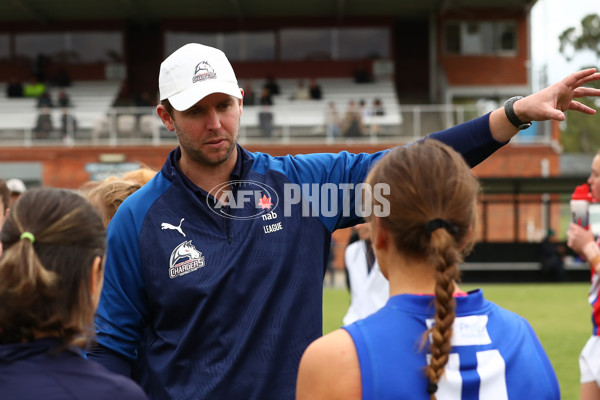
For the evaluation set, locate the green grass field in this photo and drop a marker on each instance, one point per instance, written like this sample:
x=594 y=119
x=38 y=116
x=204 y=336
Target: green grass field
x=559 y=313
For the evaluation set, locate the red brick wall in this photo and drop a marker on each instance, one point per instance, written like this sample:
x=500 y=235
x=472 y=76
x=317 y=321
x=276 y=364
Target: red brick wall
x=65 y=166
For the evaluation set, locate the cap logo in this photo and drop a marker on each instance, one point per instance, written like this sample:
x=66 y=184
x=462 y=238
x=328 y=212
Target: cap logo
x=203 y=72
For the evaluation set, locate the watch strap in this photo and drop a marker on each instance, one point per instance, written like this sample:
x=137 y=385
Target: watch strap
x=512 y=116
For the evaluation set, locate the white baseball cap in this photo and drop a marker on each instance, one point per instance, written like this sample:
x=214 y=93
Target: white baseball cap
x=193 y=72
x=16 y=186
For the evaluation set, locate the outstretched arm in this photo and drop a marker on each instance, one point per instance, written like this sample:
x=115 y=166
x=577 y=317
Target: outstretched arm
x=547 y=104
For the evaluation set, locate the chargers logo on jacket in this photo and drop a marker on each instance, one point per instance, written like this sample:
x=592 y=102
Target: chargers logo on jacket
x=185 y=259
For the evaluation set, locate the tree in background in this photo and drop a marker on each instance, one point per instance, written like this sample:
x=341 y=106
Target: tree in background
x=574 y=40
x=581 y=134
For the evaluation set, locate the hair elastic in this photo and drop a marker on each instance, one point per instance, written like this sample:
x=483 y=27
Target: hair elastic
x=432 y=387
x=29 y=236
x=437 y=223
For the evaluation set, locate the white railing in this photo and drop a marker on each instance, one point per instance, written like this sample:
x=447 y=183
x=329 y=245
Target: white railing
x=293 y=122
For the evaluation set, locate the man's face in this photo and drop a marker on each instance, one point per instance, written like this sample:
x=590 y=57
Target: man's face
x=207 y=131
x=594 y=179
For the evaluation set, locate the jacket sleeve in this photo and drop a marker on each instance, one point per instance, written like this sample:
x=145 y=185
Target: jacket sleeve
x=472 y=139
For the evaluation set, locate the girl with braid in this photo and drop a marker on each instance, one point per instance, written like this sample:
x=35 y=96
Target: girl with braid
x=431 y=340
x=51 y=275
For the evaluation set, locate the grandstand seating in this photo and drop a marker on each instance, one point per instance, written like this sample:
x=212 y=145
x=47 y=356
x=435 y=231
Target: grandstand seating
x=90 y=100
x=97 y=119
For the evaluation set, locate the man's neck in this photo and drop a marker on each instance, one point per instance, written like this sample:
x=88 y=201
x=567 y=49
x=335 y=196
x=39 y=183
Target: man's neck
x=208 y=177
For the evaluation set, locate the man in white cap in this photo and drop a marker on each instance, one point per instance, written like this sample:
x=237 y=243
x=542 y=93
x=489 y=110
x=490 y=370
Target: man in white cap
x=214 y=269
x=16 y=188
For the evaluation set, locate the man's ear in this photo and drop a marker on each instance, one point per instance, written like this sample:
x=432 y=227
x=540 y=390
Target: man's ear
x=165 y=117
x=242 y=102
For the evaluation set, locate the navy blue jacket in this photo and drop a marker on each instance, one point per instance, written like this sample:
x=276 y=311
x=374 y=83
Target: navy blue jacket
x=210 y=302
x=35 y=371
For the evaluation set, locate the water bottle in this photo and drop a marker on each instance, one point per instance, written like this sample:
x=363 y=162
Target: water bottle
x=580 y=203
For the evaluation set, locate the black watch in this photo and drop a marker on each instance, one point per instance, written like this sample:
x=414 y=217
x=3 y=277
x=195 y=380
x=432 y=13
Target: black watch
x=512 y=117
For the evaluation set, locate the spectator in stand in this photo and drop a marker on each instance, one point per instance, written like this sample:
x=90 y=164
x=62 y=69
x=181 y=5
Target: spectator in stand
x=315 y=90
x=265 y=115
x=43 y=126
x=377 y=108
x=16 y=188
x=249 y=95
x=45 y=101
x=332 y=120
x=353 y=121
x=377 y=111
x=34 y=88
x=51 y=276
x=362 y=74
x=61 y=79
x=14 y=89
x=301 y=92
x=272 y=86
x=62 y=99
x=144 y=99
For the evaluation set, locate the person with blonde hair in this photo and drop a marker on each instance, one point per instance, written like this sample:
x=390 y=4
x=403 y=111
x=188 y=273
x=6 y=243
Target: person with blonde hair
x=51 y=276
x=431 y=339
x=109 y=194
x=141 y=175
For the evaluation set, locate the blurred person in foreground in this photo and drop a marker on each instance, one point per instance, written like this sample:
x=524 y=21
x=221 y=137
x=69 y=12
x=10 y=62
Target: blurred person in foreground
x=431 y=340
x=219 y=291
x=17 y=188
x=582 y=241
x=369 y=290
x=51 y=276
x=108 y=195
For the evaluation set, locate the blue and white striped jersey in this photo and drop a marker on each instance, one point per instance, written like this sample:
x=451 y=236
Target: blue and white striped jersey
x=495 y=353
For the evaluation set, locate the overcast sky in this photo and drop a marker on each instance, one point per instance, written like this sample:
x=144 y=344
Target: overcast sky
x=548 y=19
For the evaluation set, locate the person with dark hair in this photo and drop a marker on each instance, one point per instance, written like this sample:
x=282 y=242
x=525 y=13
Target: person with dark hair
x=14 y=88
x=431 y=339
x=271 y=85
x=315 y=90
x=215 y=267
x=51 y=276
